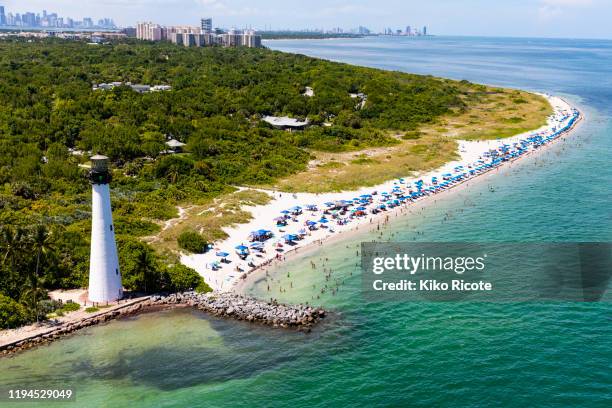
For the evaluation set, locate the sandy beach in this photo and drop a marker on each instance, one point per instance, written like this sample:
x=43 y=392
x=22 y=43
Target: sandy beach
x=313 y=219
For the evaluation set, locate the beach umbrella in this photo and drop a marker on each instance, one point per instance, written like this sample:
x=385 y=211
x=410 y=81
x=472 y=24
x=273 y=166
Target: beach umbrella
x=285 y=212
x=310 y=223
x=222 y=254
x=324 y=220
x=361 y=208
x=241 y=247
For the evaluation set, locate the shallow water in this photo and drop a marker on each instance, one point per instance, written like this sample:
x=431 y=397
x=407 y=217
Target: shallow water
x=373 y=354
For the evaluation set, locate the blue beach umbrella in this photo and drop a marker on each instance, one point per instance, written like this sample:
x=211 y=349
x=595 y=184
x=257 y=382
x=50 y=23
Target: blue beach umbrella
x=222 y=254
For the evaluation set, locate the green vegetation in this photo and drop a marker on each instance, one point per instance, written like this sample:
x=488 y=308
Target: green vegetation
x=49 y=112
x=183 y=278
x=208 y=218
x=203 y=288
x=12 y=313
x=350 y=171
x=92 y=309
x=412 y=135
x=143 y=270
x=486 y=113
x=70 y=307
x=193 y=242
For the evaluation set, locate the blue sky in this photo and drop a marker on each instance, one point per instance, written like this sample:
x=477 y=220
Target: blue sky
x=538 y=18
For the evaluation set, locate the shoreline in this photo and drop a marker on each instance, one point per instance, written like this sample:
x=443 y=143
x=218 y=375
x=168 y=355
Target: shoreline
x=242 y=285
x=564 y=119
x=301 y=317
x=231 y=301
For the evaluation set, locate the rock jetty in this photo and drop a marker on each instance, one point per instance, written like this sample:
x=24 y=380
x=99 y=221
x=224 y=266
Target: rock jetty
x=226 y=305
x=243 y=308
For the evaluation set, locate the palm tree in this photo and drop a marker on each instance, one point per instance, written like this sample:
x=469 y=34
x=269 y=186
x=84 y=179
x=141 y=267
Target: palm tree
x=145 y=264
x=11 y=247
x=173 y=174
x=11 y=244
x=42 y=243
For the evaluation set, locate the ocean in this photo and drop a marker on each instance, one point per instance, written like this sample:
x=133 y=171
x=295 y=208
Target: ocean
x=394 y=354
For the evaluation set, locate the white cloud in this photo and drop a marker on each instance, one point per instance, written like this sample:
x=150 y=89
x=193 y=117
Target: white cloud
x=551 y=9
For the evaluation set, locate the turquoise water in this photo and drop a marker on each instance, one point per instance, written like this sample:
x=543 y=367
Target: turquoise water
x=394 y=354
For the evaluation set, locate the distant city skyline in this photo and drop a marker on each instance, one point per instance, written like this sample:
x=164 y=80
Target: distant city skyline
x=50 y=19
x=523 y=18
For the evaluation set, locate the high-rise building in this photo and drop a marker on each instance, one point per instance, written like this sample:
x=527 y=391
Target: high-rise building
x=251 y=39
x=2 y=16
x=150 y=32
x=129 y=31
x=27 y=19
x=176 y=35
x=104 y=276
x=425 y=30
x=206 y=25
x=232 y=39
x=363 y=30
x=189 y=39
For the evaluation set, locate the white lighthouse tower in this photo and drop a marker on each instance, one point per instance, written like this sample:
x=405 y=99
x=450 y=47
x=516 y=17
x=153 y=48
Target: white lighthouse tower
x=104 y=275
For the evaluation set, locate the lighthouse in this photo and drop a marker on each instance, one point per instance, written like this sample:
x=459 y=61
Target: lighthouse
x=104 y=274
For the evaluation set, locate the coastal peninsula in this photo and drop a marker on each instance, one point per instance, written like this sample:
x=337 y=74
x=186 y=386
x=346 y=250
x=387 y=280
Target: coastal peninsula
x=197 y=169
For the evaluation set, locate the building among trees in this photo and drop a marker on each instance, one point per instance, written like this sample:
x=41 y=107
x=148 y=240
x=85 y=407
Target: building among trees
x=193 y=36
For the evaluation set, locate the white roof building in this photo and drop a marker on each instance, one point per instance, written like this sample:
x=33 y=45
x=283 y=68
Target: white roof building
x=285 y=122
x=174 y=144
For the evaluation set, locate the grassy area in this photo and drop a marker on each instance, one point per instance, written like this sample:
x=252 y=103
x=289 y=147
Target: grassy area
x=349 y=171
x=491 y=113
x=208 y=219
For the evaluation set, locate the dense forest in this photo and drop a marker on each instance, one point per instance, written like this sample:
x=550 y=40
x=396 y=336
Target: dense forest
x=51 y=120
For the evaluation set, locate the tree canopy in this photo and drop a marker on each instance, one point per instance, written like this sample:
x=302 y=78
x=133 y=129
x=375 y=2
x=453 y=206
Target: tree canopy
x=51 y=120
